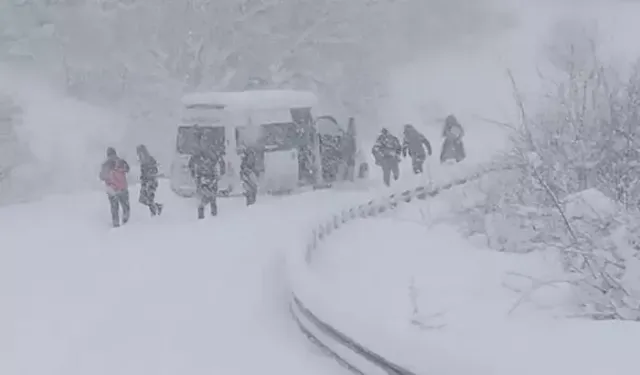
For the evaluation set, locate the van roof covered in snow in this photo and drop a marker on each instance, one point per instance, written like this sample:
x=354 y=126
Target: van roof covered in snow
x=248 y=100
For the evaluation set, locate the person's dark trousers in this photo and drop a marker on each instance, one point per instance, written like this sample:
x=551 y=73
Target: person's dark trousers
x=117 y=200
x=208 y=193
x=148 y=190
x=390 y=166
x=250 y=188
x=251 y=197
x=417 y=164
x=206 y=201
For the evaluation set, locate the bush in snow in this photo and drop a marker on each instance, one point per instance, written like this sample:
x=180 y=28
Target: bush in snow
x=571 y=185
x=604 y=256
x=503 y=215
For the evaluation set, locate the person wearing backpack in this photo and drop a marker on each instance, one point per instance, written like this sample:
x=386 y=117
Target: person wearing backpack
x=206 y=166
x=452 y=147
x=417 y=146
x=386 y=152
x=114 y=175
x=148 y=180
x=249 y=174
x=349 y=149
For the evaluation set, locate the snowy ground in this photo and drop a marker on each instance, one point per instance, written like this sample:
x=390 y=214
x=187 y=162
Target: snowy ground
x=466 y=315
x=173 y=295
x=420 y=294
x=164 y=295
x=169 y=294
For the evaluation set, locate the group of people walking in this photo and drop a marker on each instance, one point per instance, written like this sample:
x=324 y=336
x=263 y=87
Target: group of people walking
x=205 y=166
x=388 y=149
x=114 y=174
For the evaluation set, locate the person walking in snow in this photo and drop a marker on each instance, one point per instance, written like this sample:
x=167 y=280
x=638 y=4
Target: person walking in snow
x=148 y=180
x=415 y=143
x=386 y=152
x=114 y=174
x=203 y=166
x=452 y=147
x=348 y=149
x=249 y=174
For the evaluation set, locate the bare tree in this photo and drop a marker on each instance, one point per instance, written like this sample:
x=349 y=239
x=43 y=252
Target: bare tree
x=573 y=178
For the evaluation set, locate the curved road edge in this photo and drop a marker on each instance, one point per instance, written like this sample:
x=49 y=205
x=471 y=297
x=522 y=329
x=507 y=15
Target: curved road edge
x=345 y=350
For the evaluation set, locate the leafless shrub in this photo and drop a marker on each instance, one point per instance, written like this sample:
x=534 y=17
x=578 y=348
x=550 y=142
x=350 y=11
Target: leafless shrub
x=572 y=185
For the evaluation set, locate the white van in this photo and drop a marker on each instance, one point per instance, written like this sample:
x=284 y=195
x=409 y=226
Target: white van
x=278 y=123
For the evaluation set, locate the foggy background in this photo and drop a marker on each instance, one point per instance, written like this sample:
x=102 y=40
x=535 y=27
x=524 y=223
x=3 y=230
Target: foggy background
x=77 y=76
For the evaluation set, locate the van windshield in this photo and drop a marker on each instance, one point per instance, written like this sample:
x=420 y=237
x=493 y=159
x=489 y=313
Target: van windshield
x=271 y=137
x=191 y=138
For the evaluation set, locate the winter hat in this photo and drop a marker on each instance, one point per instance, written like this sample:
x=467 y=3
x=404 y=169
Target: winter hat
x=451 y=120
x=142 y=150
x=111 y=152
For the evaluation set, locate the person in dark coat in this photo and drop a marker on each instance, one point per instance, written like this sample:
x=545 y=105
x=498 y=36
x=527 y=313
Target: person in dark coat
x=415 y=143
x=452 y=147
x=331 y=156
x=204 y=169
x=349 y=148
x=249 y=174
x=386 y=152
x=114 y=174
x=148 y=180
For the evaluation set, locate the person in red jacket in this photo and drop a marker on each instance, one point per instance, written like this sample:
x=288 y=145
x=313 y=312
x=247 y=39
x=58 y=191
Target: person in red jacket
x=114 y=174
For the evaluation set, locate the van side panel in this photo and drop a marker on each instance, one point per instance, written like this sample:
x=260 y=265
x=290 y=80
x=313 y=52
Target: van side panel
x=287 y=164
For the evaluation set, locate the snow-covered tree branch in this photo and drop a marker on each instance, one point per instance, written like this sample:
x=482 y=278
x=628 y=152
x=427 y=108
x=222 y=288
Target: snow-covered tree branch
x=99 y=45
x=572 y=182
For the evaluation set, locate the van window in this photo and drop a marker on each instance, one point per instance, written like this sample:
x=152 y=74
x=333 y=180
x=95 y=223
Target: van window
x=271 y=137
x=327 y=125
x=284 y=135
x=301 y=116
x=191 y=138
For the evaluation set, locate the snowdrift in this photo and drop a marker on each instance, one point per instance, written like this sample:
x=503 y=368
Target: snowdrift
x=163 y=295
x=304 y=305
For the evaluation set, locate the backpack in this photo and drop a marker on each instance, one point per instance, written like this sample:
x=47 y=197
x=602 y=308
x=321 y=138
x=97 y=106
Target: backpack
x=117 y=177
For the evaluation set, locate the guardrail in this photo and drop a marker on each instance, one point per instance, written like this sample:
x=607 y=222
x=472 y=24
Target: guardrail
x=321 y=333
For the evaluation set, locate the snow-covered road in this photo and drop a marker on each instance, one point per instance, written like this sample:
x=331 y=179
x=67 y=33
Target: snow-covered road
x=166 y=295
x=408 y=286
x=174 y=295
x=162 y=295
